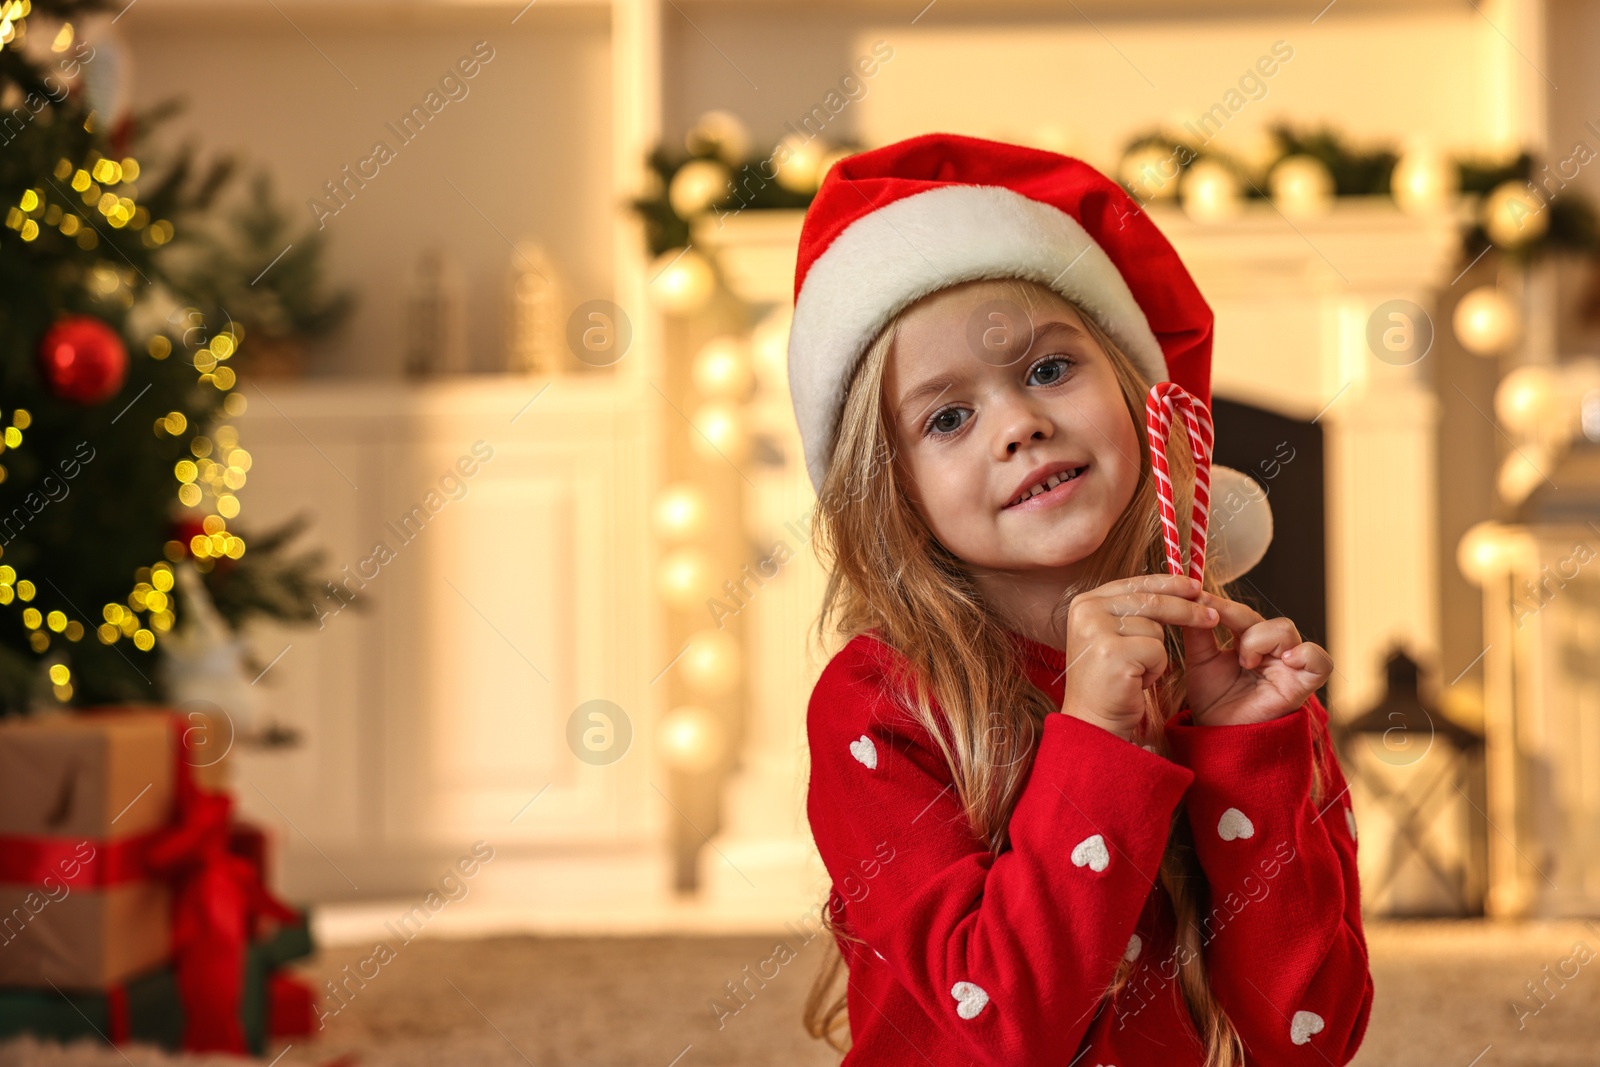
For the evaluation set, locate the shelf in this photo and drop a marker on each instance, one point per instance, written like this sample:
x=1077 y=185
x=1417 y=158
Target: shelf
x=470 y=396
x=214 y=14
x=1109 y=10
x=1363 y=240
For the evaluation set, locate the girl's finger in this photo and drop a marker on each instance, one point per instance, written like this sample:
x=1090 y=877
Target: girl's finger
x=1169 y=584
x=1165 y=608
x=1312 y=665
x=1271 y=637
x=1150 y=655
x=1312 y=658
x=1235 y=616
x=1200 y=644
x=1137 y=626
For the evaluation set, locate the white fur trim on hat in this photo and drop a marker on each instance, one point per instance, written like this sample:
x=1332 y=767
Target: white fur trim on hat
x=887 y=260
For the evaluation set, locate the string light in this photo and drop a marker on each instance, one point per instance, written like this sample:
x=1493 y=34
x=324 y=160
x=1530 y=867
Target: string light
x=11 y=13
x=61 y=681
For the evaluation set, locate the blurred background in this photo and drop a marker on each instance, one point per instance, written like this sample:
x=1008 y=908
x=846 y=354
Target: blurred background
x=405 y=542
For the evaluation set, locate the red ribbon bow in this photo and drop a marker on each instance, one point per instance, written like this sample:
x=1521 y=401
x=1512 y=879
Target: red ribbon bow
x=216 y=900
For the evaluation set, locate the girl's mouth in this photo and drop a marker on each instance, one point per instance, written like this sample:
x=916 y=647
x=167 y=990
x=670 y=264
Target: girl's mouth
x=1053 y=489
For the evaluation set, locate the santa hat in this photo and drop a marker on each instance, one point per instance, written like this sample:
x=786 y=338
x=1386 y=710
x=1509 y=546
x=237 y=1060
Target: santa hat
x=894 y=224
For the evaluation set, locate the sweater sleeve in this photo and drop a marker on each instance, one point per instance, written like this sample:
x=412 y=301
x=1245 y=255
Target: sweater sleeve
x=1009 y=955
x=1284 y=941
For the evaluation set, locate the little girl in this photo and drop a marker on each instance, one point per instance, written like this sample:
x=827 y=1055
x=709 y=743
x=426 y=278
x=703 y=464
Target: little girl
x=1064 y=822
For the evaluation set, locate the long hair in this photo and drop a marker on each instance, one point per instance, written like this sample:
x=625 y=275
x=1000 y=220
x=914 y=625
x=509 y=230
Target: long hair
x=887 y=572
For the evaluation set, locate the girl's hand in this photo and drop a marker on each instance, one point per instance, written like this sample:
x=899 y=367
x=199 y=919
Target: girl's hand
x=1115 y=649
x=1267 y=674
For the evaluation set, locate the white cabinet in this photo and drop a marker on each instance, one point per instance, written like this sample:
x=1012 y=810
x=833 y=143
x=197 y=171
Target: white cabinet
x=496 y=557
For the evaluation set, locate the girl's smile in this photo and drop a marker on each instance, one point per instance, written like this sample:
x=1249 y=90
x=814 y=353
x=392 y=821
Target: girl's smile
x=1047 y=486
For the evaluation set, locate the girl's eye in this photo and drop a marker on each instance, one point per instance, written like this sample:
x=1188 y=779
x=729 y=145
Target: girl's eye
x=941 y=426
x=1052 y=370
x=1061 y=367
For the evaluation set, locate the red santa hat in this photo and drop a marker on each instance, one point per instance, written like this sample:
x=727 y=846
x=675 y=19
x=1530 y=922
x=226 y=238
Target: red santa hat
x=894 y=224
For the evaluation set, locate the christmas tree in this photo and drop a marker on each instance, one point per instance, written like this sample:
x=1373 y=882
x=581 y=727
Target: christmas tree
x=119 y=463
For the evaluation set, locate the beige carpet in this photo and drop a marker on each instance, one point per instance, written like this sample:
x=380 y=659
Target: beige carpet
x=1445 y=995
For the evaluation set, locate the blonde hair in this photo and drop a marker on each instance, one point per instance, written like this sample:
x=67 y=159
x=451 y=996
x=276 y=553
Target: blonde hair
x=887 y=572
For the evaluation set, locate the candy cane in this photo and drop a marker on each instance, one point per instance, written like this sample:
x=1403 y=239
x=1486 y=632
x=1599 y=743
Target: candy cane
x=1159 y=405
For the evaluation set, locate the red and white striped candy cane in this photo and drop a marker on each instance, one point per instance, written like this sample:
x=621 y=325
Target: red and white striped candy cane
x=1159 y=405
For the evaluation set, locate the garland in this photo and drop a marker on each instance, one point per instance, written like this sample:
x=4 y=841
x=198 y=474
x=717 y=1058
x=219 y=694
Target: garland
x=1563 y=220
x=1570 y=224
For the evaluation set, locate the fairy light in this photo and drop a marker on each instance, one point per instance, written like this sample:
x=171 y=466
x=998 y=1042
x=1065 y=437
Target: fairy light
x=104 y=185
x=61 y=681
x=12 y=12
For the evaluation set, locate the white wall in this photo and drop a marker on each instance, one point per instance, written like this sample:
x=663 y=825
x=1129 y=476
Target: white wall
x=1374 y=76
x=529 y=146
x=1103 y=72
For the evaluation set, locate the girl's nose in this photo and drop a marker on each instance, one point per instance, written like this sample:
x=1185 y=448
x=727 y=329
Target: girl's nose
x=1020 y=421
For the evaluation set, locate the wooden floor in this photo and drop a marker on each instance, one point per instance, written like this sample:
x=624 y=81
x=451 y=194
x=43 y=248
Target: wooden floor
x=1446 y=994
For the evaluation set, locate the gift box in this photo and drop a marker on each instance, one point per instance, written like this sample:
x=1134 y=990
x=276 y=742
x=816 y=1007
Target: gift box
x=120 y=862
x=145 y=1008
x=276 y=1002
x=81 y=797
x=149 y=1008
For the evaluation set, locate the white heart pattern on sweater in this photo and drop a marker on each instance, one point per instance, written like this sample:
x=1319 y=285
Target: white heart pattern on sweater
x=865 y=751
x=1135 y=944
x=1303 y=1025
x=1350 y=821
x=1091 y=852
x=970 y=999
x=1234 y=823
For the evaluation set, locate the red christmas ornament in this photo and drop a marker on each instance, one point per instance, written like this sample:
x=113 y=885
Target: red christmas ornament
x=185 y=530
x=83 y=359
x=122 y=134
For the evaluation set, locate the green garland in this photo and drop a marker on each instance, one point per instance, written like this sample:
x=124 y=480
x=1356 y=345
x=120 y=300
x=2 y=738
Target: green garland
x=749 y=189
x=1574 y=225
x=1573 y=222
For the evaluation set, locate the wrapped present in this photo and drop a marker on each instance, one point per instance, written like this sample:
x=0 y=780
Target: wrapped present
x=149 y=1008
x=275 y=1002
x=144 y=1008
x=81 y=798
x=64 y=838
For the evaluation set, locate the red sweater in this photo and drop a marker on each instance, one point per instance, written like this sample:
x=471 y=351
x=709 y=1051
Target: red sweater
x=977 y=959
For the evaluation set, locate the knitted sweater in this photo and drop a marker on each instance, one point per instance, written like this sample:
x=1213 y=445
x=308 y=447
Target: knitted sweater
x=971 y=958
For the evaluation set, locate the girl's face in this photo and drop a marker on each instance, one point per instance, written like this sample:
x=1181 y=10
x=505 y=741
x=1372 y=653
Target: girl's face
x=989 y=402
